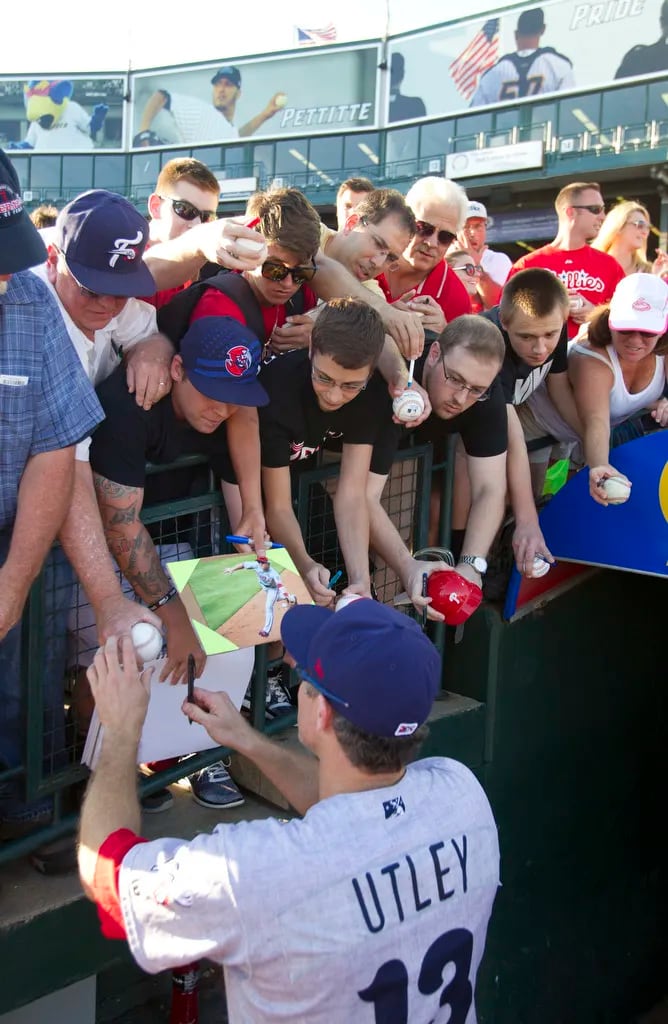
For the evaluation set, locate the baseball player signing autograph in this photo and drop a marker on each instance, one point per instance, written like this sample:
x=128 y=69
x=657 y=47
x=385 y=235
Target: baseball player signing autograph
x=374 y=905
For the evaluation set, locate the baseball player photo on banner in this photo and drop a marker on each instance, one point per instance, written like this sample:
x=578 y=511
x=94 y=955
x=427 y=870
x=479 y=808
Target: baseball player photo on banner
x=60 y=114
x=331 y=91
x=527 y=51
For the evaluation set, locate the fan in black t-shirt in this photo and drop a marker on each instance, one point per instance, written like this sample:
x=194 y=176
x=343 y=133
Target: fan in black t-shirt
x=459 y=372
x=212 y=404
x=333 y=393
x=532 y=319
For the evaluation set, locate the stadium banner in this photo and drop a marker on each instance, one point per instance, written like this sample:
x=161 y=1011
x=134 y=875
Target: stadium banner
x=521 y=53
x=291 y=95
x=77 y=113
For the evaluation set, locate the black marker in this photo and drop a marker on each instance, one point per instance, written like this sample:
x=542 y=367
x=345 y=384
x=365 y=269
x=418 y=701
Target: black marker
x=425 y=577
x=191 y=682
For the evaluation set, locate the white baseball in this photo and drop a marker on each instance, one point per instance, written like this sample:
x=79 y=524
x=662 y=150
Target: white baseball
x=408 y=406
x=249 y=245
x=280 y=100
x=539 y=568
x=617 y=490
x=347 y=599
x=147 y=641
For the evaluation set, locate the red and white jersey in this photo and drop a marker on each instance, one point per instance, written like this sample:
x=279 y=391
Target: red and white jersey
x=593 y=274
x=372 y=907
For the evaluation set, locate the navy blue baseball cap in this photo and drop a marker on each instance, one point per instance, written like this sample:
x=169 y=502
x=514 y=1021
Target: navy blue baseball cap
x=102 y=237
x=229 y=72
x=222 y=359
x=374 y=665
x=21 y=246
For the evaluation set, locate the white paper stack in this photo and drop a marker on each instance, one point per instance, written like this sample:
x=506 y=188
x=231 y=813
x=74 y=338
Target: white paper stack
x=167 y=732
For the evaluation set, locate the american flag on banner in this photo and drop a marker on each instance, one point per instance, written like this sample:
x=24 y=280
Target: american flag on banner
x=480 y=54
x=313 y=36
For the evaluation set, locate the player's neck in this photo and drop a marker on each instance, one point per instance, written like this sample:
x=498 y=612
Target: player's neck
x=337 y=776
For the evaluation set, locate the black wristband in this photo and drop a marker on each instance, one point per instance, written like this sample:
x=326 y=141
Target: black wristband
x=172 y=592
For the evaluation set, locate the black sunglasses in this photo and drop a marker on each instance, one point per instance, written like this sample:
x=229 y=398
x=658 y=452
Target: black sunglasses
x=186 y=211
x=276 y=270
x=425 y=230
x=594 y=208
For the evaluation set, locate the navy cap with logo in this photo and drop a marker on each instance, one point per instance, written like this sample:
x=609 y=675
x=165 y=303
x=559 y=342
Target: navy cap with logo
x=221 y=357
x=21 y=246
x=375 y=665
x=102 y=237
x=231 y=73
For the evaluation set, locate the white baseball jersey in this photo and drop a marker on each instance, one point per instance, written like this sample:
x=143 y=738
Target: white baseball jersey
x=373 y=907
x=197 y=120
x=525 y=73
x=70 y=131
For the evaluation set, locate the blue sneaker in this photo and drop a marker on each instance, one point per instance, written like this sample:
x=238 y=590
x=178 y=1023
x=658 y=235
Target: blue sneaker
x=213 y=787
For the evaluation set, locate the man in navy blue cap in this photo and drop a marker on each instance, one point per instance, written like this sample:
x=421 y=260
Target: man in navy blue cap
x=211 y=410
x=374 y=905
x=47 y=406
x=175 y=117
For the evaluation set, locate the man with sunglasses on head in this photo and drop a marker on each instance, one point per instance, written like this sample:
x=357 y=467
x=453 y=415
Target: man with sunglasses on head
x=459 y=373
x=420 y=280
x=590 y=276
x=493 y=267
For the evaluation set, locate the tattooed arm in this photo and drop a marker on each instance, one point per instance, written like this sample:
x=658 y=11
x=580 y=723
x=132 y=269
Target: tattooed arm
x=83 y=541
x=131 y=545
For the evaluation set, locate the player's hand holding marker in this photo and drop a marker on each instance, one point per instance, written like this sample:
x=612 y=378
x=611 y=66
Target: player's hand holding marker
x=224 y=724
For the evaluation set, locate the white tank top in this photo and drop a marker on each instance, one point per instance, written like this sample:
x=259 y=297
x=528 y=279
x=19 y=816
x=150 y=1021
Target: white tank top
x=623 y=404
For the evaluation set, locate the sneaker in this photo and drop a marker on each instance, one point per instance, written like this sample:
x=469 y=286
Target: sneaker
x=154 y=803
x=213 y=787
x=277 y=701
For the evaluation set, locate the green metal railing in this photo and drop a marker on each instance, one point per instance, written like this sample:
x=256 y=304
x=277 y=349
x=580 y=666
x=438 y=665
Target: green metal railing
x=200 y=519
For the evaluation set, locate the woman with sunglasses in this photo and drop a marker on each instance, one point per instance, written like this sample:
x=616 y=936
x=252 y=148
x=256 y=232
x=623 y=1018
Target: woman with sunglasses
x=469 y=274
x=624 y=235
x=421 y=280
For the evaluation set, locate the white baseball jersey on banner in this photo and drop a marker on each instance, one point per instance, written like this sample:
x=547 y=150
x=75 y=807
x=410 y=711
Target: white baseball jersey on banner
x=373 y=907
x=197 y=120
x=525 y=73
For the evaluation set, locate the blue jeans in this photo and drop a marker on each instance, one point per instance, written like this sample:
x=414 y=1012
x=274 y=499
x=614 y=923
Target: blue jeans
x=58 y=581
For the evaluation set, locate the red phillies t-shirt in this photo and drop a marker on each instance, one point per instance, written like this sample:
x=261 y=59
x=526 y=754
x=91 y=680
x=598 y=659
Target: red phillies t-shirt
x=443 y=285
x=593 y=274
x=214 y=303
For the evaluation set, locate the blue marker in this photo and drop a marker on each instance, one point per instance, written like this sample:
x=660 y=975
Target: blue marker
x=234 y=538
x=335 y=579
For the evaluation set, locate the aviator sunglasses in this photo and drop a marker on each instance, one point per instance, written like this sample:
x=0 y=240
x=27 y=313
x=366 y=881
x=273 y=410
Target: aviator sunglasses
x=186 y=211
x=276 y=270
x=425 y=230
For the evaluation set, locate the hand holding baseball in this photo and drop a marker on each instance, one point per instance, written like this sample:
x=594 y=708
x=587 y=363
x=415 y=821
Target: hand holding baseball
x=228 y=243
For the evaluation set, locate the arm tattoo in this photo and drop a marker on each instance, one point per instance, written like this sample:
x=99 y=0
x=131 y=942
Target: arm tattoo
x=128 y=539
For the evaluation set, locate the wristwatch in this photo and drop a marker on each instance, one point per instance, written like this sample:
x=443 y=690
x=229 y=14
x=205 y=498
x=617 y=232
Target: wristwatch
x=478 y=563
